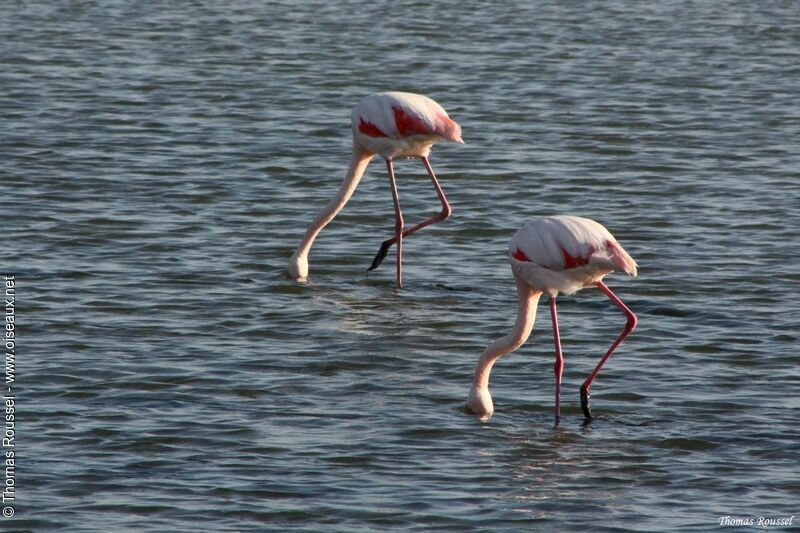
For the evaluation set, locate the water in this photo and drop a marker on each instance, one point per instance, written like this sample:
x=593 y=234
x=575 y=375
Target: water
x=161 y=162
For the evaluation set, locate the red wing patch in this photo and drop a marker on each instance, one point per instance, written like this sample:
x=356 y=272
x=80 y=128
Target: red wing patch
x=409 y=124
x=368 y=128
x=572 y=262
x=519 y=255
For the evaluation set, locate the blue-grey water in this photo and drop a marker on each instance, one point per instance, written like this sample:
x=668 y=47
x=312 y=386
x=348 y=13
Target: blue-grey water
x=159 y=162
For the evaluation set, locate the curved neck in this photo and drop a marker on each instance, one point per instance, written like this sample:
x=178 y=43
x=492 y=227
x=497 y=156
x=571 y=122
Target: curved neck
x=526 y=316
x=358 y=164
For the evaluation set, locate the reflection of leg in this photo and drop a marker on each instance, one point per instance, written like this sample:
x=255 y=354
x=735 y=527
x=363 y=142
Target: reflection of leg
x=629 y=327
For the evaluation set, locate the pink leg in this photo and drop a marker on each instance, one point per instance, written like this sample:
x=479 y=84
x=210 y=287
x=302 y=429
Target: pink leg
x=559 y=366
x=445 y=212
x=629 y=327
x=398 y=226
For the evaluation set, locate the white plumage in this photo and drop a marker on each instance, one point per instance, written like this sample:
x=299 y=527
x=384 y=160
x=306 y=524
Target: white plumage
x=397 y=124
x=562 y=254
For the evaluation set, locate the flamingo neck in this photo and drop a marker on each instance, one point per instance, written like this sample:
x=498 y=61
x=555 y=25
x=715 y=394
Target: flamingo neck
x=358 y=164
x=526 y=315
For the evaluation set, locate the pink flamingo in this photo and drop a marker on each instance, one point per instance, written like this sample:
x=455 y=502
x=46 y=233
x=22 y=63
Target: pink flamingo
x=560 y=254
x=391 y=124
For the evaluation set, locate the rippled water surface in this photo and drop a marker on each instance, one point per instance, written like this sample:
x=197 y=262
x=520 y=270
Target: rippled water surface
x=159 y=162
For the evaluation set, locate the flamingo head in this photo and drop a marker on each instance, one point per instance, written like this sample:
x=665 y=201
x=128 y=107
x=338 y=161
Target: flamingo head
x=480 y=402
x=298 y=267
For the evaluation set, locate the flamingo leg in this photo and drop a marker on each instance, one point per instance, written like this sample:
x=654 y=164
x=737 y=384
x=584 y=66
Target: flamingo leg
x=559 y=366
x=398 y=226
x=443 y=214
x=629 y=327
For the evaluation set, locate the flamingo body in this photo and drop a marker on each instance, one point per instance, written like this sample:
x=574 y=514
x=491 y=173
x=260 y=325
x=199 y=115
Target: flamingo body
x=388 y=124
x=397 y=124
x=553 y=255
x=562 y=254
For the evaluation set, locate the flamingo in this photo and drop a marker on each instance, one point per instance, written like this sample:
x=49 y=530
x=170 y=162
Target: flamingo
x=559 y=254
x=389 y=124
